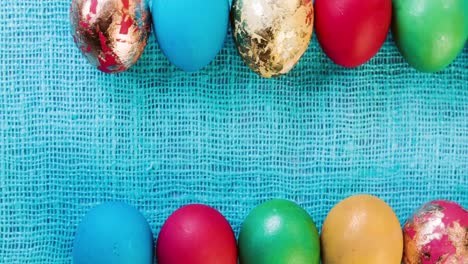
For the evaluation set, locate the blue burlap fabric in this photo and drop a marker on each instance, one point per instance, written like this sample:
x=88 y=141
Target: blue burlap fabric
x=155 y=137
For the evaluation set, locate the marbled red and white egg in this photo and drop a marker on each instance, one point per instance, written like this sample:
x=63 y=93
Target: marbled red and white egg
x=111 y=34
x=437 y=233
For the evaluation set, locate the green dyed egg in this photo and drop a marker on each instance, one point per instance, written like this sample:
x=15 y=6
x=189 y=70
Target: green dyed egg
x=430 y=33
x=278 y=232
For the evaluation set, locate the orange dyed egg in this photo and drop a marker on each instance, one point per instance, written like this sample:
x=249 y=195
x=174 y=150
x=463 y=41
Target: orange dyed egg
x=362 y=229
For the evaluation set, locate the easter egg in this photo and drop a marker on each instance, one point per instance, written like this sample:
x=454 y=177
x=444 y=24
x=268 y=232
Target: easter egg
x=196 y=234
x=276 y=232
x=361 y=229
x=190 y=33
x=430 y=33
x=437 y=233
x=113 y=233
x=111 y=34
x=272 y=35
x=351 y=32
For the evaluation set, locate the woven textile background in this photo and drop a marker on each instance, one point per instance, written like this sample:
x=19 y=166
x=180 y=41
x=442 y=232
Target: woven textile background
x=156 y=137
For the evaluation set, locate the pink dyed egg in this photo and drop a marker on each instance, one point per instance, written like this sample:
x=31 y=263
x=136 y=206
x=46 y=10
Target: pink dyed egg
x=437 y=233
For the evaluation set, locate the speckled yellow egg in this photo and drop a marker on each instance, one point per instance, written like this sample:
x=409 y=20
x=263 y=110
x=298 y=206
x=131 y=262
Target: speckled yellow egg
x=362 y=229
x=272 y=35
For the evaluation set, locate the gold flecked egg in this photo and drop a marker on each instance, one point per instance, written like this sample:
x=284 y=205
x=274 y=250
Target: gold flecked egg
x=272 y=35
x=111 y=34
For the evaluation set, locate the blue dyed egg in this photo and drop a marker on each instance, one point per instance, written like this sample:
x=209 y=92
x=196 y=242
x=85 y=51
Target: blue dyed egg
x=113 y=233
x=190 y=33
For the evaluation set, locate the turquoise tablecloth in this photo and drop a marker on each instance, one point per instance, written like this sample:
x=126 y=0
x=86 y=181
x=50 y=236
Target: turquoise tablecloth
x=155 y=137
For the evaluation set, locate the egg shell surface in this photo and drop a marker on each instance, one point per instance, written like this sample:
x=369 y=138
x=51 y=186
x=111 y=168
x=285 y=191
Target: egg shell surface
x=111 y=34
x=430 y=33
x=361 y=229
x=190 y=33
x=351 y=32
x=272 y=35
x=196 y=234
x=113 y=233
x=437 y=233
x=277 y=232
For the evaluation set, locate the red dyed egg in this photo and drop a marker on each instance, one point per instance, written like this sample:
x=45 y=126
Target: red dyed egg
x=351 y=32
x=196 y=234
x=437 y=233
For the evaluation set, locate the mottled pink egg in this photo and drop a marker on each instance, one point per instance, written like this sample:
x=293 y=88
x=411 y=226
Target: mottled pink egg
x=437 y=233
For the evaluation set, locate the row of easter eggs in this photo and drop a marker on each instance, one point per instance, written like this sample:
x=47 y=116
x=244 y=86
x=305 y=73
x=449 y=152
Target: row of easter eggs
x=271 y=35
x=360 y=229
